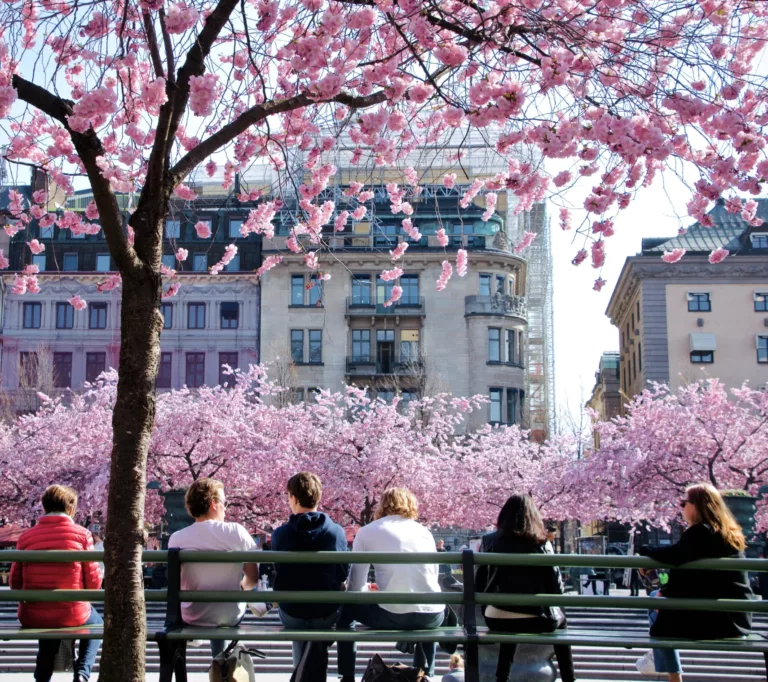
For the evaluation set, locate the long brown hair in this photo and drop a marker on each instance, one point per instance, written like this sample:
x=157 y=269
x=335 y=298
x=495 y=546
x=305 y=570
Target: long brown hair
x=520 y=518
x=713 y=511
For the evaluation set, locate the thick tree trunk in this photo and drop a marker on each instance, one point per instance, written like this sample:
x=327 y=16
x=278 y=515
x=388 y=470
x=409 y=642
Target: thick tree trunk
x=123 y=653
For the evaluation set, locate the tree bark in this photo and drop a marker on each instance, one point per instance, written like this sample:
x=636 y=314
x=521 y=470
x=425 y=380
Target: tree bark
x=122 y=657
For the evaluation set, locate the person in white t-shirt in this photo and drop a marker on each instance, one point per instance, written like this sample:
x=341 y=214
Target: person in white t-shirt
x=394 y=530
x=206 y=503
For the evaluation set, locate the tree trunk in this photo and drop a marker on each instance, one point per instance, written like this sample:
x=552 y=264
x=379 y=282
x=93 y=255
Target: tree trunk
x=123 y=653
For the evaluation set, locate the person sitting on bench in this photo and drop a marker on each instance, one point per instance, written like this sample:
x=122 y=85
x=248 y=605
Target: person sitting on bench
x=206 y=503
x=57 y=530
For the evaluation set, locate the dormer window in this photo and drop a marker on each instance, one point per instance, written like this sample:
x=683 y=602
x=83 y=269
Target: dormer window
x=759 y=240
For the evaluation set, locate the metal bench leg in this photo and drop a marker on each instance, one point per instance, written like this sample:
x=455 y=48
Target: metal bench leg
x=173 y=661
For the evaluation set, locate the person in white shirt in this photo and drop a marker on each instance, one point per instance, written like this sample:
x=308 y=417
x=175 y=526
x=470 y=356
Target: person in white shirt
x=394 y=530
x=206 y=503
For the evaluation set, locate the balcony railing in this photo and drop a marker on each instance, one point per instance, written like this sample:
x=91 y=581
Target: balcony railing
x=378 y=242
x=404 y=307
x=367 y=365
x=498 y=306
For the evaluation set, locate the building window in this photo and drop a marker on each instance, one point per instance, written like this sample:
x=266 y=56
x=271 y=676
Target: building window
x=164 y=372
x=166 y=310
x=65 y=316
x=39 y=260
x=762 y=349
x=383 y=290
x=639 y=357
x=361 y=344
x=296 y=396
x=102 y=262
x=46 y=232
x=409 y=345
x=511 y=355
x=494 y=344
x=759 y=241
x=69 y=262
x=702 y=357
x=634 y=366
x=761 y=302
x=234 y=264
x=169 y=260
x=638 y=312
x=410 y=285
x=95 y=364
x=316 y=346
x=196 y=316
x=361 y=289
x=313 y=394
x=32 y=312
x=28 y=370
x=385 y=396
x=297 y=289
x=316 y=291
x=234 y=228
x=200 y=262
x=230 y=359
x=407 y=397
x=633 y=319
x=62 y=370
x=500 y=284
x=98 y=316
x=297 y=346
x=485 y=285
x=172 y=228
x=512 y=405
x=195 y=370
x=699 y=303
x=494 y=409
x=230 y=315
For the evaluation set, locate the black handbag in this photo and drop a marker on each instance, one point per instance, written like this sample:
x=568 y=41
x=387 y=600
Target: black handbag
x=313 y=666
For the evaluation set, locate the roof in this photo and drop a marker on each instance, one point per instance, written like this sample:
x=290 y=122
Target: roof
x=729 y=230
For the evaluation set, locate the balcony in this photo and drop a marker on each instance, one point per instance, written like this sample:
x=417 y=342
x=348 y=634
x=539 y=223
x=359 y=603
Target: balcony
x=370 y=366
x=409 y=308
x=496 y=306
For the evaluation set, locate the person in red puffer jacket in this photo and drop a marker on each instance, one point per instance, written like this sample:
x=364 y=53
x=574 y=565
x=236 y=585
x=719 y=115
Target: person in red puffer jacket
x=57 y=530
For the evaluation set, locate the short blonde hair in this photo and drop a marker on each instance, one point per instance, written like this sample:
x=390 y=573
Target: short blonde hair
x=201 y=494
x=398 y=502
x=456 y=661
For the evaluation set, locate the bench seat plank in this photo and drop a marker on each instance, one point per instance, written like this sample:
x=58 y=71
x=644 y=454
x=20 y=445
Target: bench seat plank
x=17 y=633
x=279 y=634
x=618 y=639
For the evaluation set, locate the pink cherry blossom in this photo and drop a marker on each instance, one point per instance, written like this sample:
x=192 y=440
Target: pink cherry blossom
x=203 y=229
x=449 y=180
x=112 y=282
x=398 y=251
x=445 y=275
x=397 y=292
x=490 y=205
x=718 y=255
x=203 y=92
x=672 y=256
x=268 y=263
x=526 y=241
x=391 y=275
x=172 y=290
x=311 y=260
x=77 y=302
x=181 y=255
x=181 y=18
x=4 y=263
x=442 y=237
x=599 y=284
x=36 y=247
x=186 y=193
x=461 y=262
x=91 y=211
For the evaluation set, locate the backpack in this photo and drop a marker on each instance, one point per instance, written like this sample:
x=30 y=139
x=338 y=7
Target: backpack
x=234 y=664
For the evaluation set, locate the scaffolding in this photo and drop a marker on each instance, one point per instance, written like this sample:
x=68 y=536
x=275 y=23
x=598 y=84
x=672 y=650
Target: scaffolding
x=540 y=377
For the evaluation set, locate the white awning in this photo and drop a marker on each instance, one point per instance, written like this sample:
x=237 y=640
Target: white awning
x=705 y=342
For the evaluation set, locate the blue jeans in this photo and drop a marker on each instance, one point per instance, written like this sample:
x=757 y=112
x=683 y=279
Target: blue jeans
x=294 y=623
x=378 y=618
x=664 y=660
x=86 y=653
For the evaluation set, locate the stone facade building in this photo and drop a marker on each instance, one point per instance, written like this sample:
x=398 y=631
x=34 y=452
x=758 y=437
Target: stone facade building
x=684 y=321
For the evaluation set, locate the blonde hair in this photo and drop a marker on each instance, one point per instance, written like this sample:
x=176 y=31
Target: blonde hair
x=201 y=494
x=713 y=511
x=60 y=499
x=456 y=661
x=398 y=502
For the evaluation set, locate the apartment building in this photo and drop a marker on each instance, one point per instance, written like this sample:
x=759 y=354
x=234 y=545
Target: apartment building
x=680 y=322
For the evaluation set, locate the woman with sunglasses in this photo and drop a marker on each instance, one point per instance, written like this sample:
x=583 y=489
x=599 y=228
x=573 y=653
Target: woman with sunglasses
x=712 y=533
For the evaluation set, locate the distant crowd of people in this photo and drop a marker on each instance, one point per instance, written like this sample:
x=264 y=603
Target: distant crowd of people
x=712 y=533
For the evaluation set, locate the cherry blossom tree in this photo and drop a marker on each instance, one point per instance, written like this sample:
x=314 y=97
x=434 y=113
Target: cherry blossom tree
x=135 y=95
x=668 y=440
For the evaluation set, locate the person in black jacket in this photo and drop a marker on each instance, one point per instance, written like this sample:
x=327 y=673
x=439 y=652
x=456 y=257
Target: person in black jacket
x=712 y=533
x=520 y=530
x=308 y=530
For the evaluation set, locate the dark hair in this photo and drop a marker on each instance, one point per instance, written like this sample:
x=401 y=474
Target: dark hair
x=519 y=518
x=61 y=499
x=306 y=488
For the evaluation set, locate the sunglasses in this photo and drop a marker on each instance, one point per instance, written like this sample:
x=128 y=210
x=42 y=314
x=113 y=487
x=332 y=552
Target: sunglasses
x=684 y=502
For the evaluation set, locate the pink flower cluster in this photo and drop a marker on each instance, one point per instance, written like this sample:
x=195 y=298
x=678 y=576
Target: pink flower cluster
x=445 y=275
x=203 y=92
x=672 y=256
x=525 y=242
x=185 y=192
x=268 y=263
x=598 y=254
x=718 y=255
x=490 y=205
x=461 y=262
x=260 y=220
x=93 y=110
x=230 y=251
x=36 y=247
x=442 y=237
x=77 y=302
x=395 y=296
x=180 y=18
x=203 y=229
x=398 y=251
x=391 y=275
x=112 y=282
x=182 y=255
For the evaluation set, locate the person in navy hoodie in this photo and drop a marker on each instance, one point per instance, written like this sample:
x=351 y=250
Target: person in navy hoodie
x=308 y=530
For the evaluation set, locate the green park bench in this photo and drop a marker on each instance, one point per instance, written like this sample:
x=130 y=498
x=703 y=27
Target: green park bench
x=169 y=637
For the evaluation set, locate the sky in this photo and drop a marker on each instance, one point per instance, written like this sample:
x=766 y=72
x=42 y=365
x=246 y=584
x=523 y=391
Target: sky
x=582 y=329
